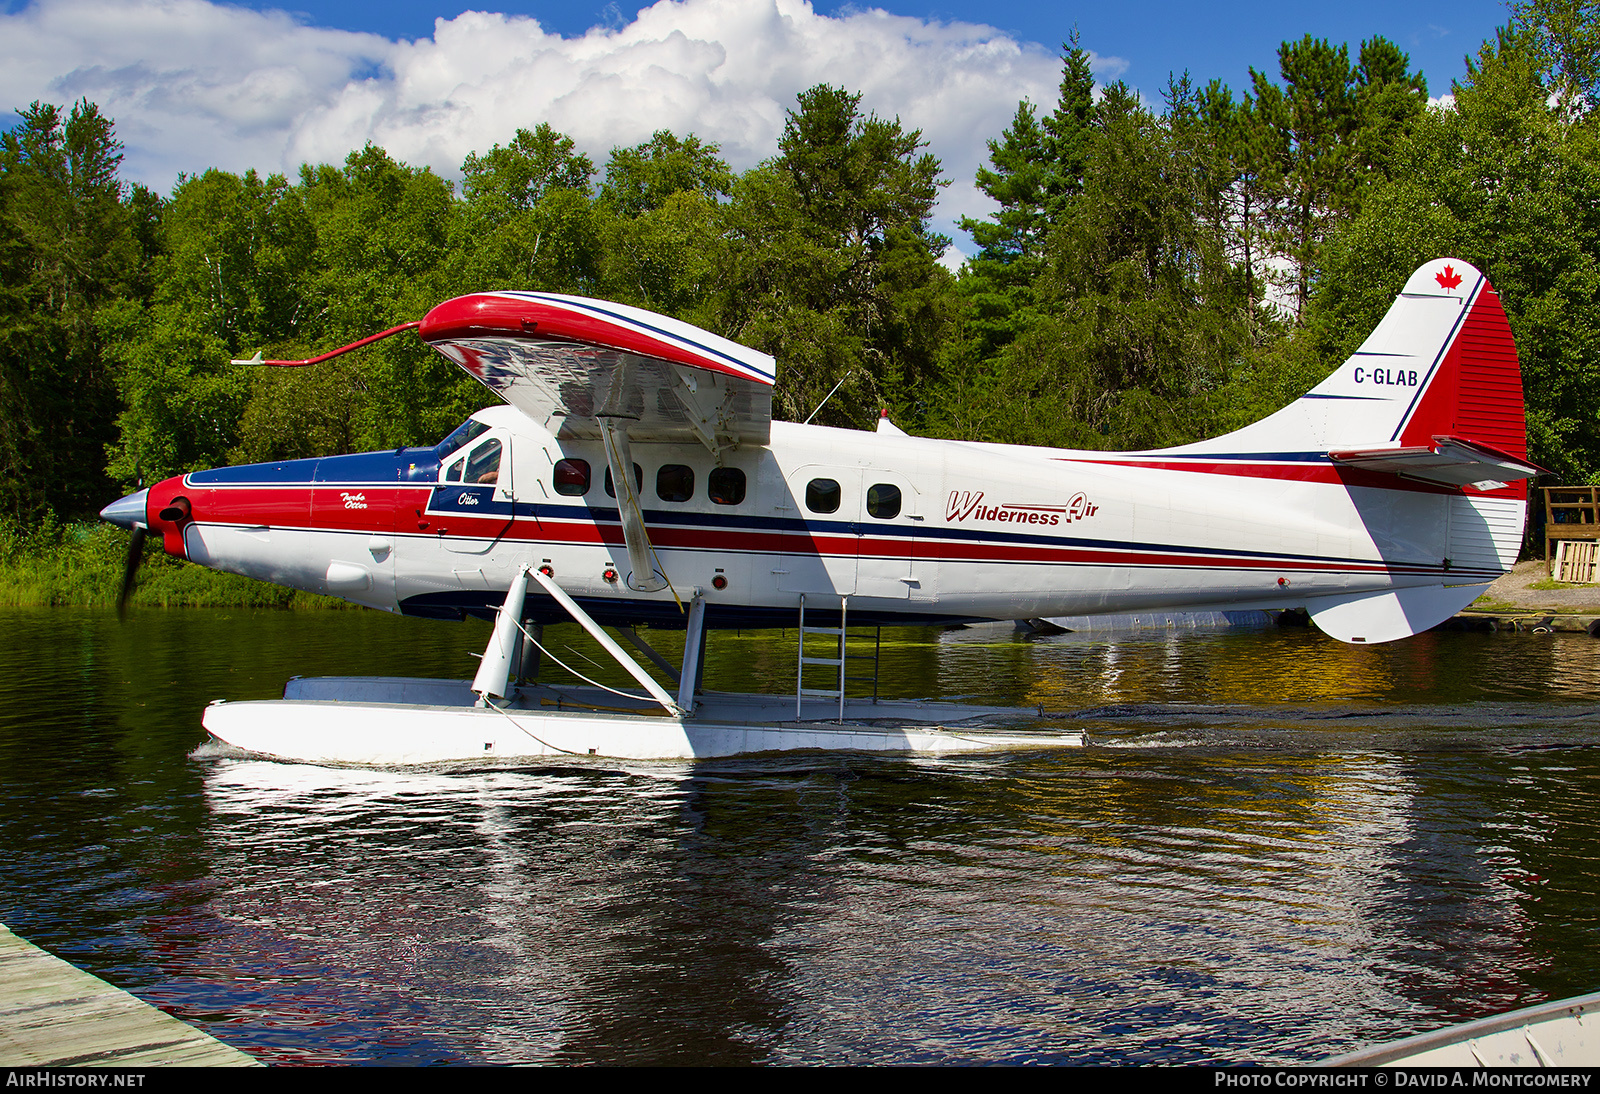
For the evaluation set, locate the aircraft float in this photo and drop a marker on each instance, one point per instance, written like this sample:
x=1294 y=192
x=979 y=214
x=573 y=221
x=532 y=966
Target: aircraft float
x=634 y=475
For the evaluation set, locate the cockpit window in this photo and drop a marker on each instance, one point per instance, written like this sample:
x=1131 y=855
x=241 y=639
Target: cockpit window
x=484 y=463
x=464 y=434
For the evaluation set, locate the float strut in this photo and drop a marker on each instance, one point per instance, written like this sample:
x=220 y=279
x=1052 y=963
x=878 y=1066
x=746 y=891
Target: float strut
x=500 y=656
x=618 y=654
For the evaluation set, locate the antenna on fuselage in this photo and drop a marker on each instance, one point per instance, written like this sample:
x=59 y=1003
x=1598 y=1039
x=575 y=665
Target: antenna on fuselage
x=826 y=397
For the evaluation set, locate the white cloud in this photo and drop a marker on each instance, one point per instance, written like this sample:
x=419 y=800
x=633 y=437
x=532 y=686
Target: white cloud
x=193 y=84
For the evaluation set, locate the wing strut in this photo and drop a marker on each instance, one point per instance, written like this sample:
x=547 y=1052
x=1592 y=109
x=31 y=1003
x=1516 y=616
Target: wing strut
x=646 y=577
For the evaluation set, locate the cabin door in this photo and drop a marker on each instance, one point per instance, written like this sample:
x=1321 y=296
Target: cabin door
x=887 y=525
x=821 y=559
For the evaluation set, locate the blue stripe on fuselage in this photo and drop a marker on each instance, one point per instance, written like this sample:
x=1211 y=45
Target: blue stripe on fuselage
x=358 y=468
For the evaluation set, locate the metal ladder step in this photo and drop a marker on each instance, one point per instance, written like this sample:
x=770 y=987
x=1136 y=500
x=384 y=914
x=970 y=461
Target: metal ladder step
x=841 y=661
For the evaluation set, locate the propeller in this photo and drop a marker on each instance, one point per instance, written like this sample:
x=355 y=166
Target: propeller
x=130 y=568
x=129 y=513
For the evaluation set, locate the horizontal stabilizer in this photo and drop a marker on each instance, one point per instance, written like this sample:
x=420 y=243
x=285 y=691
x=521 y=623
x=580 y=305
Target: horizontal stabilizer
x=1449 y=461
x=1385 y=616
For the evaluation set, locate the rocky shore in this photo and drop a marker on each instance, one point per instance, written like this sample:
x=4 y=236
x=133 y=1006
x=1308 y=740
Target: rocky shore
x=1512 y=602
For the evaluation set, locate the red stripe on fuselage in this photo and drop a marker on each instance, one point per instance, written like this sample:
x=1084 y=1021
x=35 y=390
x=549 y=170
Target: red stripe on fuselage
x=384 y=509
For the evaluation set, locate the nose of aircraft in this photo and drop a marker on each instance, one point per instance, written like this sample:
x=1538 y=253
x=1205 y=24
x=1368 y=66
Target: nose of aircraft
x=127 y=512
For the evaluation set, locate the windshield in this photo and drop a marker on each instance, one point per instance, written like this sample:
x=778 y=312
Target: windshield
x=464 y=433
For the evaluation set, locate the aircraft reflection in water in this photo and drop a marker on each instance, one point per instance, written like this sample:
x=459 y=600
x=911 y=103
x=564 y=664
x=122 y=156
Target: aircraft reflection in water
x=636 y=477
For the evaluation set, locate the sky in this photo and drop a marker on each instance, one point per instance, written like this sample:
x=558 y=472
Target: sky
x=193 y=84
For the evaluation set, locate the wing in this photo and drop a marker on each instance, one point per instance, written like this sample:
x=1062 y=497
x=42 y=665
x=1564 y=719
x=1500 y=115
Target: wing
x=571 y=364
x=589 y=368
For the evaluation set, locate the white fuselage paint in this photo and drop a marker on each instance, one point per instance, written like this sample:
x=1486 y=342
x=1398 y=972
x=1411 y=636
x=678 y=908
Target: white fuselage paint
x=982 y=531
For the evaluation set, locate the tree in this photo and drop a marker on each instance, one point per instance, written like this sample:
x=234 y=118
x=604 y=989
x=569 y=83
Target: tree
x=70 y=247
x=997 y=282
x=1333 y=128
x=661 y=214
x=1504 y=180
x=1565 y=37
x=643 y=178
x=1069 y=128
x=834 y=267
x=383 y=231
x=527 y=220
x=1389 y=101
x=1141 y=284
x=1137 y=313
x=233 y=277
x=1038 y=169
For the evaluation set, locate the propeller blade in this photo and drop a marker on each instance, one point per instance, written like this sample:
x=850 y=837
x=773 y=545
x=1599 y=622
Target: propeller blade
x=130 y=569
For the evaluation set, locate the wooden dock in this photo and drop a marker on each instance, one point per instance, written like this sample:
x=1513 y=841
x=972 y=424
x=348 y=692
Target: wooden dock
x=55 y=1015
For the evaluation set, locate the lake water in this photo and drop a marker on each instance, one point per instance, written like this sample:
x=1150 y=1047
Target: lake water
x=1275 y=848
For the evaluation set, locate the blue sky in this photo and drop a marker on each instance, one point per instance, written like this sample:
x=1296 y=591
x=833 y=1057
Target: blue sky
x=1211 y=41
x=196 y=84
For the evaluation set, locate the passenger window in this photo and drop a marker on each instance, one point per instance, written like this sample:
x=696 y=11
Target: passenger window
x=454 y=474
x=883 y=501
x=675 y=482
x=638 y=481
x=572 y=478
x=822 y=496
x=483 y=465
x=726 y=485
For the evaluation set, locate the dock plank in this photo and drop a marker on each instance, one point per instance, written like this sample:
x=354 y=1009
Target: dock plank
x=53 y=1014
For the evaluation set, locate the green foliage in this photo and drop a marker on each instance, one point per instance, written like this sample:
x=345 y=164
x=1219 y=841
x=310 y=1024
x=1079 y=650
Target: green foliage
x=383 y=233
x=832 y=266
x=662 y=221
x=70 y=246
x=233 y=253
x=648 y=176
x=1564 y=35
x=528 y=220
x=1330 y=130
x=1038 y=171
x=1135 y=315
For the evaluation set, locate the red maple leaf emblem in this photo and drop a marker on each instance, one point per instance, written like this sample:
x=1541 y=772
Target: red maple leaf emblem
x=1449 y=279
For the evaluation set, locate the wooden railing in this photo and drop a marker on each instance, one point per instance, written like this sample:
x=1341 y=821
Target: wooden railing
x=1572 y=532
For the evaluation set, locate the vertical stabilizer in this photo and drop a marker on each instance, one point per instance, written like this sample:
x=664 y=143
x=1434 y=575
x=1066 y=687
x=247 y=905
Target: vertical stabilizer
x=1441 y=364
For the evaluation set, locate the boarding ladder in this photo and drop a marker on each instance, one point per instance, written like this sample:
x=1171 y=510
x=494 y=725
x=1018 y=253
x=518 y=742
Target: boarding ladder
x=835 y=640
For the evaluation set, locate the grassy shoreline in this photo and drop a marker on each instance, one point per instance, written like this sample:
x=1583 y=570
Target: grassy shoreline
x=80 y=565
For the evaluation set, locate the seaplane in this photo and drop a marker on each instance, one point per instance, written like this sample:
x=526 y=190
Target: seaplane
x=632 y=475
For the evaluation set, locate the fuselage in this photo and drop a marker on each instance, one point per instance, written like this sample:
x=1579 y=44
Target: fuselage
x=909 y=529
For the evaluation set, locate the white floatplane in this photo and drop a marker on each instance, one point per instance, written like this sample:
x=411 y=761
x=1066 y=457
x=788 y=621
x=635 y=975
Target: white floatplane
x=635 y=476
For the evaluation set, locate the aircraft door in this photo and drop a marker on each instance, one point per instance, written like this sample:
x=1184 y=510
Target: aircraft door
x=472 y=502
x=888 y=524
x=453 y=543
x=822 y=559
